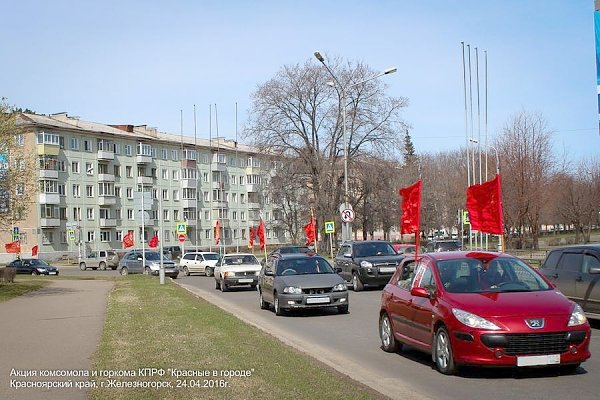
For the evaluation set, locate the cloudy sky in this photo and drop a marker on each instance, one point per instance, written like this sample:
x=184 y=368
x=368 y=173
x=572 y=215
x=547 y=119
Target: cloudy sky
x=142 y=62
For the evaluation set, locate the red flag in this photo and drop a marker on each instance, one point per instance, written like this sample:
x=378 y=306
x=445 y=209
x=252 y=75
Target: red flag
x=251 y=239
x=260 y=232
x=411 y=209
x=13 y=247
x=218 y=232
x=128 y=240
x=34 y=251
x=310 y=230
x=153 y=242
x=484 y=204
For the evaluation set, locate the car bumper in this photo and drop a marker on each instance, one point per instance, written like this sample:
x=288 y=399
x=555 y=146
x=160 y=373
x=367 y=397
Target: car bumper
x=306 y=301
x=169 y=273
x=469 y=349
x=241 y=280
x=374 y=277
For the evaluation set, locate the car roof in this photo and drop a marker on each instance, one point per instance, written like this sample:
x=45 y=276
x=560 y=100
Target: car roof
x=237 y=254
x=578 y=246
x=452 y=255
x=288 y=256
x=365 y=241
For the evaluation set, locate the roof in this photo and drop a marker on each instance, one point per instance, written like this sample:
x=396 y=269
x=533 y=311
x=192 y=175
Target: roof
x=452 y=255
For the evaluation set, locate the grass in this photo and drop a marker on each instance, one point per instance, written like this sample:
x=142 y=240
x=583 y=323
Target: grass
x=19 y=287
x=163 y=326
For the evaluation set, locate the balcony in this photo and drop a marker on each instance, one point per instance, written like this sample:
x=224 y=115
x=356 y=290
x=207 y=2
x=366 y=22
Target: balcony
x=49 y=198
x=106 y=178
x=106 y=155
x=49 y=222
x=143 y=159
x=220 y=204
x=253 y=206
x=188 y=164
x=219 y=167
x=189 y=203
x=191 y=222
x=48 y=174
x=108 y=222
x=144 y=180
x=253 y=187
x=48 y=149
x=107 y=200
x=189 y=183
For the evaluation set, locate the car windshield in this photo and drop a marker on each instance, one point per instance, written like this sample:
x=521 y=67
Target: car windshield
x=374 y=249
x=304 y=266
x=211 y=256
x=498 y=274
x=447 y=246
x=240 y=259
x=40 y=263
x=294 y=249
x=154 y=256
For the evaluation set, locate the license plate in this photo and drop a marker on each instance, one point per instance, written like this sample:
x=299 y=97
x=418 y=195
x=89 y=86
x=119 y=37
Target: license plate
x=245 y=280
x=317 y=300
x=528 y=361
x=52 y=273
x=387 y=269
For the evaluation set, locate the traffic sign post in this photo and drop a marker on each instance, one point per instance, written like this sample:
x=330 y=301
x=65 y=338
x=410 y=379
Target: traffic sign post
x=330 y=229
x=181 y=237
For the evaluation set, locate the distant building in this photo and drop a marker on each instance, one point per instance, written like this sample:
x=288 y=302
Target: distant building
x=89 y=174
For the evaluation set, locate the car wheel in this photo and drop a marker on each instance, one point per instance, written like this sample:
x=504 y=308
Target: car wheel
x=444 y=359
x=388 y=341
x=147 y=271
x=343 y=309
x=261 y=301
x=278 y=310
x=103 y=266
x=34 y=272
x=223 y=286
x=186 y=271
x=357 y=285
x=124 y=271
x=208 y=271
x=82 y=266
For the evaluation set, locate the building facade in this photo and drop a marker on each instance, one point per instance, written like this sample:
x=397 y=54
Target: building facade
x=99 y=182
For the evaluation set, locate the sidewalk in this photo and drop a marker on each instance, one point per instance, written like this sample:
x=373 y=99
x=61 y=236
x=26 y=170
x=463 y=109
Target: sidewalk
x=51 y=333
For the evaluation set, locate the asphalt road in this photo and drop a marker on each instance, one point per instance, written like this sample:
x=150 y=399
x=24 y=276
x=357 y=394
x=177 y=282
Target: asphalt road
x=351 y=344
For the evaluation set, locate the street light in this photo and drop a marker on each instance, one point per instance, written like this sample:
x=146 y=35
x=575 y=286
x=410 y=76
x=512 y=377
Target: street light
x=347 y=232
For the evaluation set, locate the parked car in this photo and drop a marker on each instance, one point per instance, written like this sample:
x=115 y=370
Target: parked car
x=33 y=266
x=368 y=262
x=173 y=252
x=288 y=250
x=575 y=270
x=99 y=259
x=238 y=269
x=443 y=245
x=404 y=248
x=133 y=263
x=198 y=263
x=485 y=309
x=299 y=281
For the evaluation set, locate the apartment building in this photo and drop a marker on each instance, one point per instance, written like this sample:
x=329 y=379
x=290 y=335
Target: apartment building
x=98 y=182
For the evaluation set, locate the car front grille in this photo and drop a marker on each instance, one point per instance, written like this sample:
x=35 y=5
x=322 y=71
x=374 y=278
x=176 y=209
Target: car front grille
x=245 y=273
x=528 y=343
x=317 y=291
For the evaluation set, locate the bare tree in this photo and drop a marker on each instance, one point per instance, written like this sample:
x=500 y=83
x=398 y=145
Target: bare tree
x=296 y=114
x=527 y=163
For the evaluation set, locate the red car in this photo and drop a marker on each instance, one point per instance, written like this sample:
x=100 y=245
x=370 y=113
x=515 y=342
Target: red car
x=482 y=308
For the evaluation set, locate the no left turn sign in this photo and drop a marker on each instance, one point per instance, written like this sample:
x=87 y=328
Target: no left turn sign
x=347 y=215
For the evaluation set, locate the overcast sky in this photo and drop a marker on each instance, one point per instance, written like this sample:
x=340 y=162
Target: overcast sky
x=141 y=62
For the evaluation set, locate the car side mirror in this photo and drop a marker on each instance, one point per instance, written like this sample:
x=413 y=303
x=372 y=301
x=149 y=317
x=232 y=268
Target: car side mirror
x=268 y=272
x=595 y=270
x=349 y=255
x=338 y=269
x=139 y=258
x=420 y=292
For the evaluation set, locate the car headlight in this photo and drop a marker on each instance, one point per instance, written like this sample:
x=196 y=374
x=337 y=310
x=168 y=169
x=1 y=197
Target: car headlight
x=229 y=274
x=473 y=321
x=577 y=316
x=292 y=290
x=340 y=287
x=366 y=264
x=257 y=273
x=41 y=269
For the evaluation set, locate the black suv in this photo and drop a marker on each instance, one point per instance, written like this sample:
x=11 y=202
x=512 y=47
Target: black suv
x=575 y=270
x=368 y=262
x=443 y=245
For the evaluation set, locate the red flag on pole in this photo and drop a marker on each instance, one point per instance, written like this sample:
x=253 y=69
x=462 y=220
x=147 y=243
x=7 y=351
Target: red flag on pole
x=13 y=247
x=411 y=209
x=251 y=238
x=260 y=232
x=34 y=251
x=153 y=242
x=310 y=230
x=484 y=205
x=218 y=232
x=128 y=240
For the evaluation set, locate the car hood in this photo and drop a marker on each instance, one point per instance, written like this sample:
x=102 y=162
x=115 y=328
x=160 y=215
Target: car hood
x=512 y=304
x=47 y=267
x=241 y=268
x=381 y=259
x=310 y=280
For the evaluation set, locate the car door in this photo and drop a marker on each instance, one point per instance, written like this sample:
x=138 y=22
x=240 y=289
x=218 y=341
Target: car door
x=568 y=270
x=398 y=297
x=422 y=307
x=267 y=282
x=18 y=265
x=588 y=287
x=343 y=261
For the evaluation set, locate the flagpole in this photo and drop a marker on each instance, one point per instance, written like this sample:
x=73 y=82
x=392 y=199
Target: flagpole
x=314 y=227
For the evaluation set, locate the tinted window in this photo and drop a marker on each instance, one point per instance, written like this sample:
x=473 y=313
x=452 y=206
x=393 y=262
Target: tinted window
x=571 y=262
x=373 y=249
x=343 y=250
x=589 y=261
x=552 y=260
x=189 y=256
x=211 y=256
x=303 y=266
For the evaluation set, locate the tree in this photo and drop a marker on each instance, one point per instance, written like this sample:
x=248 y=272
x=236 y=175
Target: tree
x=528 y=163
x=297 y=115
x=17 y=169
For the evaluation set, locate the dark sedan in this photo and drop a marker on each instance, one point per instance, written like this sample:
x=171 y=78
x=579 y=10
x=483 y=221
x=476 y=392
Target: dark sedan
x=301 y=281
x=485 y=309
x=33 y=266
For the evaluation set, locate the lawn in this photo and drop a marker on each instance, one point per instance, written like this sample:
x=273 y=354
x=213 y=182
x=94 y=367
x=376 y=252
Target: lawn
x=164 y=327
x=19 y=287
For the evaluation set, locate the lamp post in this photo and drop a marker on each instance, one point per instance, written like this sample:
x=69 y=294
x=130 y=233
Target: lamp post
x=347 y=231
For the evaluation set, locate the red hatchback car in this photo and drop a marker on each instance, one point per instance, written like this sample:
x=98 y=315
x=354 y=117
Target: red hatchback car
x=482 y=308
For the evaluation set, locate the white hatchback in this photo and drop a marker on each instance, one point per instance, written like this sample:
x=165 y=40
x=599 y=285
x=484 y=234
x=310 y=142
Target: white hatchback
x=200 y=262
x=238 y=269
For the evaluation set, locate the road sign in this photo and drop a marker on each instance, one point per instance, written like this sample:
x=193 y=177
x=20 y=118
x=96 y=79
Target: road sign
x=347 y=215
x=181 y=237
x=345 y=206
x=71 y=233
x=182 y=227
x=329 y=227
x=466 y=218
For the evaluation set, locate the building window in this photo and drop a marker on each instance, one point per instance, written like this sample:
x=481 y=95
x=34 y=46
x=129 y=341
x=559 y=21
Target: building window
x=77 y=213
x=189 y=194
x=205 y=177
x=118 y=148
x=48 y=138
x=206 y=196
x=207 y=233
x=105 y=236
x=89 y=168
x=207 y=215
x=129 y=171
x=128 y=150
x=20 y=140
x=144 y=150
x=165 y=194
x=176 y=195
x=234 y=198
x=176 y=215
x=243 y=216
x=130 y=214
x=106 y=189
x=118 y=191
x=119 y=236
x=154 y=194
x=87 y=145
x=129 y=193
x=175 y=174
x=90 y=213
x=166 y=215
x=75 y=167
x=89 y=190
x=117 y=171
x=91 y=236
x=164 y=154
x=118 y=214
x=47 y=237
x=234 y=215
x=74 y=143
x=61 y=189
x=174 y=155
x=165 y=174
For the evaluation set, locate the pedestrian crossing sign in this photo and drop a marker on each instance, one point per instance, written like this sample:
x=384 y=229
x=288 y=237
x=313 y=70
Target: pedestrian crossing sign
x=181 y=228
x=329 y=227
